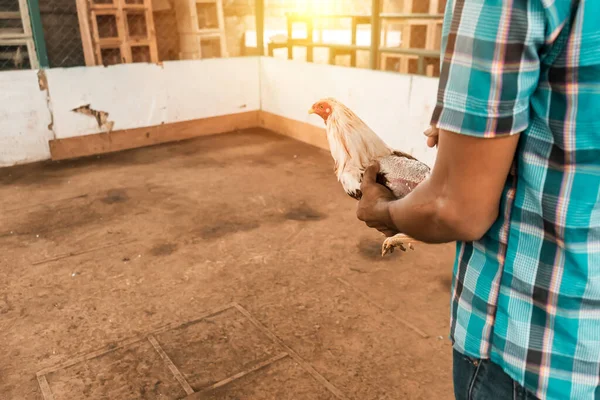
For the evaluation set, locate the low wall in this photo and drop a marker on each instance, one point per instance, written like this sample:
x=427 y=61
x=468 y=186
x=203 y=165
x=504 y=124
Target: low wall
x=122 y=99
x=65 y=113
x=397 y=107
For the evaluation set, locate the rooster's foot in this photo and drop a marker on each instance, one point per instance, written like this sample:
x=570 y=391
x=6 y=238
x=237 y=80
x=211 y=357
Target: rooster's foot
x=400 y=241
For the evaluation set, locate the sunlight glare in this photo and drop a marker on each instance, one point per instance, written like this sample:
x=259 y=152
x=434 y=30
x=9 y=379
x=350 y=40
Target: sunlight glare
x=316 y=7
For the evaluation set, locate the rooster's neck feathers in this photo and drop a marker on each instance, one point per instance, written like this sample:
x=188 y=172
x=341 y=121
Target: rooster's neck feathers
x=354 y=146
x=352 y=143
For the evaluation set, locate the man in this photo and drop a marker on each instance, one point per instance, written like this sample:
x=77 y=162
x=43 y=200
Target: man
x=516 y=184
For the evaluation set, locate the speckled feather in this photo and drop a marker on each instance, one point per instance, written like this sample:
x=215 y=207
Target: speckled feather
x=401 y=174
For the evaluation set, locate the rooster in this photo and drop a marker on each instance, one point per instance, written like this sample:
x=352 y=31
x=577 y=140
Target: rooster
x=354 y=146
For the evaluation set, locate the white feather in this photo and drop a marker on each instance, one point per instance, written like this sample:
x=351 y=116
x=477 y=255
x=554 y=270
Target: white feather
x=353 y=145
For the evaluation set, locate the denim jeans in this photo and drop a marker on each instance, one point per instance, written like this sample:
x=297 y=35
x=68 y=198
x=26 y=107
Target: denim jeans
x=483 y=380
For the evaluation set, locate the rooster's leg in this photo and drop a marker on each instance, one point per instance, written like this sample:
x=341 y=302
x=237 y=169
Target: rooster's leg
x=400 y=240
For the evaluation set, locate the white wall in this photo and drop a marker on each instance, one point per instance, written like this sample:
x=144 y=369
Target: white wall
x=134 y=95
x=139 y=95
x=24 y=119
x=397 y=107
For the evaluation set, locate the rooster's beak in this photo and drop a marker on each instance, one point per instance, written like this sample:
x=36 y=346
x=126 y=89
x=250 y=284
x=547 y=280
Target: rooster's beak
x=311 y=111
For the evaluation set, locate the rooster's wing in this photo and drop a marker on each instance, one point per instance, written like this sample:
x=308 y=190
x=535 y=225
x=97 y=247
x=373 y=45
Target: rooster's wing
x=401 y=173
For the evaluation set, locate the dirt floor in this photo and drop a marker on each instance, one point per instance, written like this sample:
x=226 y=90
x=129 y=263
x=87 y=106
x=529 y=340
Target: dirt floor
x=246 y=245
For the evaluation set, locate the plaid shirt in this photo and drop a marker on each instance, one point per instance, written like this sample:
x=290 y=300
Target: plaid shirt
x=527 y=295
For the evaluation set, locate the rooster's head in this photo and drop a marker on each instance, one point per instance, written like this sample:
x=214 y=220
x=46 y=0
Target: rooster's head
x=352 y=143
x=322 y=108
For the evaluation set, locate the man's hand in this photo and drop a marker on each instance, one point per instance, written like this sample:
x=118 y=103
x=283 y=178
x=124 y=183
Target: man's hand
x=373 y=207
x=433 y=135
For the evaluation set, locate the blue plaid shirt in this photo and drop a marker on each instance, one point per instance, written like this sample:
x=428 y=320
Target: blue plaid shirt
x=527 y=295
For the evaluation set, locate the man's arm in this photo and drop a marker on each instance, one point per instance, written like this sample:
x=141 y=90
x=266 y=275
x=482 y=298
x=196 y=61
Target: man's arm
x=459 y=201
x=489 y=69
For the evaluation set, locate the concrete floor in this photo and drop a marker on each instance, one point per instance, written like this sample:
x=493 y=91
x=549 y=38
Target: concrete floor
x=103 y=249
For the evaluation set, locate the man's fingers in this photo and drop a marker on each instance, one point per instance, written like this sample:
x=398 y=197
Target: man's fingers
x=432 y=141
x=432 y=134
x=432 y=131
x=370 y=175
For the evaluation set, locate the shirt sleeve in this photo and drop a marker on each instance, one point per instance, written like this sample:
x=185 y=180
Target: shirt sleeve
x=490 y=66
